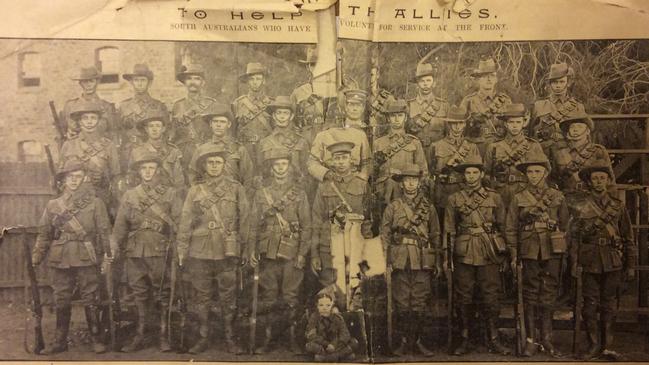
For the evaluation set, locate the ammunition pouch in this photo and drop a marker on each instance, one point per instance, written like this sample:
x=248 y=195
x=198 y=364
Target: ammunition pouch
x=558 y=242
x=428 y=258
x=288 y=247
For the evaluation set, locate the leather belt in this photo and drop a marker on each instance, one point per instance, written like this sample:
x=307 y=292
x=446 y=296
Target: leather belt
x=472 y=230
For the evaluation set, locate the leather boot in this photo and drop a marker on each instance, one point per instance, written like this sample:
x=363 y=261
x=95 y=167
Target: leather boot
x=546 y=332
x=494 y=344
x=418 y=320
x=164 y=329
x=203 y=331
x=402 y=328
x=530 y=328
x=594 y=349
x=60 y=343
x=463 y=347
x=92 y=316
x=607 y=322
x=292 y=332
x=232 y=346
x=267 y=325
x=138 y=341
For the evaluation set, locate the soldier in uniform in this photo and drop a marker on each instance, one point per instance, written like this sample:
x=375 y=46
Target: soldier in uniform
x=351 y=131
x=395 y=150
x=75 y=230
x=411 y=237
x=238 y=163
x=98 y=154
x=253 y=121
x=309 y=116
x=446 y=154
x=212 y=238
x=144 y=231
x=577 y=152
x=426 y=109
x=337 y=201
x=548 y=113
x=153 y=127
x=474 y=222
x=88 y=79
x=535 y=227
x=134 y=109
x=503 y=155
x=484 y=105
x=187 y=129
x=604 y=246
x=280 y=226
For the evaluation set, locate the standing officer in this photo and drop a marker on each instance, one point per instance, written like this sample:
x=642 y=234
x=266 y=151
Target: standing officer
x=484 y=105
x=253 y=122
x=134 y=109
x=474 y=222
x=548 y=113
x=604 y=246
x=411 y=238
x=212 y=238
x=88 y=79
x=280 y=226
x=426 y=109
x=74 y=229
x=502 y=156
x=187 y=129
x=309 y=115
x=144 y=230
x=537 y=219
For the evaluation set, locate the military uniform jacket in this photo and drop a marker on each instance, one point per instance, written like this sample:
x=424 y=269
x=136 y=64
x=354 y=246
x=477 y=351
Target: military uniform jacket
x=426 y=121
x=74 y=228
x=327 y=203
x=409 y=225
x=287 y=138
x=187 y=126
x=99 y=157
x=549 y=112
x=447 y=153
x=328 y=330
x=238 y=163
x=200 y=234
x=291 y=203
x=469 y=215
x=568 y=159
x=253 y=122
x=133 y=110
x=147 y=220
x=394 y=151
x=171 y=158
x=309 y=112
x=532 y=215
x=601 y=233
x=502 y=156
x=488 y=106
x=320 y=158
x=108 y=124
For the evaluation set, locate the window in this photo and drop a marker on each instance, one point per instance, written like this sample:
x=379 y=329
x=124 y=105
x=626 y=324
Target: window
x=29 y=69
x=107 y=62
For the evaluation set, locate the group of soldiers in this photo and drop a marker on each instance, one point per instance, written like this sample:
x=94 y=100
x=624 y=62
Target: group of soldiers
x=265 y=183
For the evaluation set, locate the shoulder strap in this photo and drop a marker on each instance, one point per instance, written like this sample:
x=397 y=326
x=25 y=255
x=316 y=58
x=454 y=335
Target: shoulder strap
x=283 y=224
x=154 y=206
x=605 y=217
x=72 y=219
x=214 y=210
x=341 y=196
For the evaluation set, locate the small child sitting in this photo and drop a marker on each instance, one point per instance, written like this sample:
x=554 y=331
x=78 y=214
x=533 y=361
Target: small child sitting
x=327 y=336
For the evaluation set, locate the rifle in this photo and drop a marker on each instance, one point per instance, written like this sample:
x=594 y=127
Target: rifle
x=448 y=272
x=57 y=124
x=113 y=303
x=35 y=309
x=578 y=302
x=253 y=310
x=521 y=336
x=388 y=279
x=180 y=302
x=50 y=165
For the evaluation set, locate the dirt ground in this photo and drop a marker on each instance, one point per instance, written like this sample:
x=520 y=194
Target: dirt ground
x=634 y=346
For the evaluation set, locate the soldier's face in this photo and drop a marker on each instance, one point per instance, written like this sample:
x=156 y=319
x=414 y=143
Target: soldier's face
x=577 y=130
x=515 y=125
x=599 y=181
x=324 y=306
x=148 y=170
x=255 y=82
x=194 y=83
x=280 y=167
x=154 y=129
x=88 y=86
x=342 y=162
x=140 y=84
x=74 y=179
x=220 y=126
x=559 y=85
x=397 y=120
x=354 y=110
x=472 y=176
x=457 y=128
x=88 y=121
x=214 y=165
x=536 y=174
x=282 y=117
x=410 y=184
x=487 y=82
x=425 y=84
